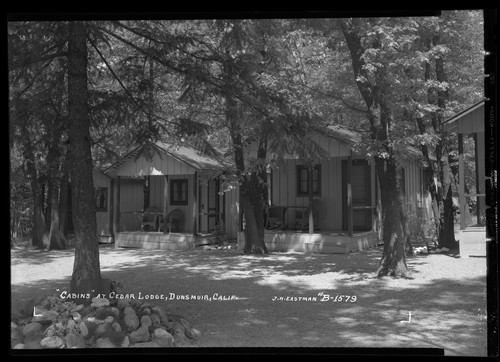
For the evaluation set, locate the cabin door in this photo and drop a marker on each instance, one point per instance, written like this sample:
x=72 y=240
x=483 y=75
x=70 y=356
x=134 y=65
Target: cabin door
x=361 y=195
x=209 y=205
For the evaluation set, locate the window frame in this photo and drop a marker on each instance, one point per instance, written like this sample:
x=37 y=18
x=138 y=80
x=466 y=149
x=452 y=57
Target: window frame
x=179 y=182
x=299 y=181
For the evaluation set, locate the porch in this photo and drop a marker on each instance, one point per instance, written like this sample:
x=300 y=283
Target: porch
x=161 y=241
x=326 y=242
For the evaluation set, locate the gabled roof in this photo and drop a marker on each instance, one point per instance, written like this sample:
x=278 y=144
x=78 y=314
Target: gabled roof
x=194 y=158
x=469 y=120
x=187 y=155
x=343 y=134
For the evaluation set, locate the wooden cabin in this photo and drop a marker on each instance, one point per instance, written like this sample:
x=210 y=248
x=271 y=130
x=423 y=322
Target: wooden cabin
x=345 y=198
x=174 y=183
x=156 y=180
x=470 y=123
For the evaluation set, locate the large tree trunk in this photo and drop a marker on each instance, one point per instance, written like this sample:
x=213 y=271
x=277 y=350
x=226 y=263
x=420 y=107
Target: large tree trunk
x=379 y=113
x=394 y=221
x=86 y=265
x=251 y=197
x=56 y=239
x=252 y=202
x=63 y=198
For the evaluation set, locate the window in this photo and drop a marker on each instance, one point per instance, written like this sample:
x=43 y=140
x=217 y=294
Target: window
x=179 y=192
x=303 y=181
x=101 y=199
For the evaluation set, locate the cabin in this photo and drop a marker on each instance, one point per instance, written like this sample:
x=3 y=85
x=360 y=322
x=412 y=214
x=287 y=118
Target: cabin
x=344 y=193
x=162 y=182
x=469 y=123
x=165 y=196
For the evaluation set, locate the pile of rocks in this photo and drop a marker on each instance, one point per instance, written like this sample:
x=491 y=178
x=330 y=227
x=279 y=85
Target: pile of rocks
x=57 y=323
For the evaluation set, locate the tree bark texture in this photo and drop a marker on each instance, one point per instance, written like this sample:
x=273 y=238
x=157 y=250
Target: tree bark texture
x=379 y=114
x=86 y=265
x=251 y=193
x=39 y=237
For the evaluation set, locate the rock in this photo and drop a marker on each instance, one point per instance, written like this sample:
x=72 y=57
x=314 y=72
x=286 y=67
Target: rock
x=163 y=338
x=131 y=319
x=151 y=344
x=155 y=320
x=52 y=342
x=94 y=320
x=195 y=333
x=116 y=311
x=76 y=317
x=160 y=332
x=74 y=341
x=163 y=316
x=84 y=331
x=432 y=252
x=32 y=329
x=116 y=326
x=15 y=336
x=99 y=302
x=126 y=342
x=19 y=346
x=180 y=339
x=50 y=331
x=104 y=343
x=437 y=250
x=424 y=251
x=146 y=321
x=33 y=342
x=140 y=335
x=445 y=249
x=123 y=303
x=47 y=316
x=109 y=319
x=78 y=308
x=102 y=330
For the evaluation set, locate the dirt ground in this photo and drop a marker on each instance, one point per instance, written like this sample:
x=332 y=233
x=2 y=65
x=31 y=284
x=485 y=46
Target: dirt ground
x=288 y=299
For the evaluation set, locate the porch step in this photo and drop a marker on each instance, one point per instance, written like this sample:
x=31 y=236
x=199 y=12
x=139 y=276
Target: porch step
x=154 y=241
x=326 y=248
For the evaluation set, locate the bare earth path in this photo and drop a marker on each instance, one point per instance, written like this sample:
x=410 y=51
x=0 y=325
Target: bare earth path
x=446 y=297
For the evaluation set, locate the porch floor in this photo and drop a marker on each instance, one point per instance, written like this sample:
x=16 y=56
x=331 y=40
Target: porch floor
x=327 y=241
x=159 y=240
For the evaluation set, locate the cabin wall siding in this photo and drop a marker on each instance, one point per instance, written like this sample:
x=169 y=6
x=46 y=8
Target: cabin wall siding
x=157 y=193
x=284 y=192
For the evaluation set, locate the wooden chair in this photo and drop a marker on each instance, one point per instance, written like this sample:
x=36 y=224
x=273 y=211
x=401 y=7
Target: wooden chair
x=149 y=218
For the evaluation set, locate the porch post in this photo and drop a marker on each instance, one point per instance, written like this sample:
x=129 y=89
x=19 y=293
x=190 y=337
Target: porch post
x=111 y=208
x=480 y=173
x=195 y=203
x=349 y=195
x=461 y=180
x=118 y=212
x=310 y=196
x=165 y=205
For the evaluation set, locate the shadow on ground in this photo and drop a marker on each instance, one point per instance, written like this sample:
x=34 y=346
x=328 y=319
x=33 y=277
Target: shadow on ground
x=446 y=311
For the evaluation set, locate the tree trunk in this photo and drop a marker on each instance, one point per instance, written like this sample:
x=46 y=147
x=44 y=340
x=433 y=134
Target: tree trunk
x=39 y=237
x=86 y=265
x=394 y=221
x=379 y=114
x=63 y=198
x=56 y=240
x=251 y=196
